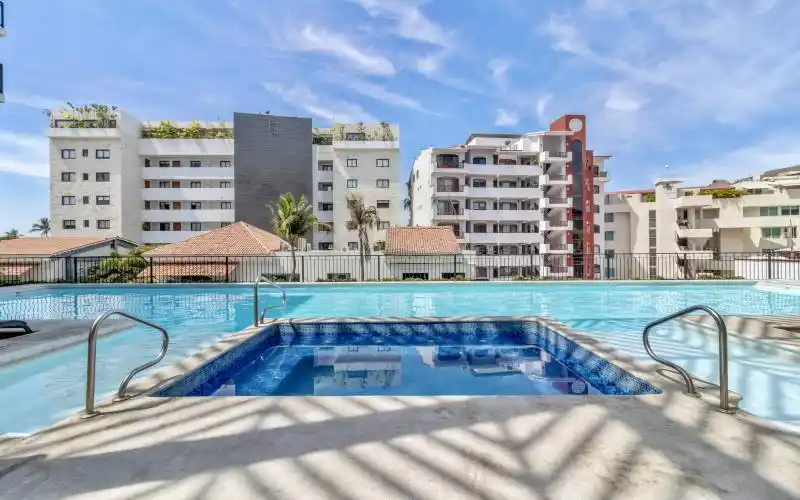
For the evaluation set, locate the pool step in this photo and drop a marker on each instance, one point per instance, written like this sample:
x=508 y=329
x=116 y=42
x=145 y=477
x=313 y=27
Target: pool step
x=708 y=390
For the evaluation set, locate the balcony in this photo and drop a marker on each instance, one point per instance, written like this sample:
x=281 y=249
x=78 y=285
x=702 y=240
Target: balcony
x=505 y=215
x=694 y=201
x=502 y=238
x=695 y=233
x=555 y=202
x=500 y=169
x=556 y=248
x=186 y=147
x=201 y=215
x=366 y=144
x=188 y=194
x=451 y=214
x=187 y=173
x=506 y=192
x=324 y=196
x=451 y=191
x=556 y=225
x=555 y=180
x=553 y=157
x=163 y=237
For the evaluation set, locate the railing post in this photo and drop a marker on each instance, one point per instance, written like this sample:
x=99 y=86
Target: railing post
x=455 y=264
x=302 y=269
x=379 y=267
x=227 y=270
x=151 y=270
x=608 y=267
x=685 y=267
x=769 y=266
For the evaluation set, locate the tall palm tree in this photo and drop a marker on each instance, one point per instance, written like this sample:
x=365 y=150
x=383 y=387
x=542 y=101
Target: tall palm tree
x=362 y=218
x=407 y=205
x=292 y=219
x=42 y=227
x=12 y=234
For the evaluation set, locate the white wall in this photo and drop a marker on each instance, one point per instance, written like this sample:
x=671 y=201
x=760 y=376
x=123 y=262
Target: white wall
x=422 y=191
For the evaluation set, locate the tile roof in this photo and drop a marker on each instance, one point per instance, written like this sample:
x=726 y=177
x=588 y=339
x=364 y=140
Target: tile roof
x=16 y=269
x=239 y=238
x=49 y=246
x=431 y=240
x=174 y=270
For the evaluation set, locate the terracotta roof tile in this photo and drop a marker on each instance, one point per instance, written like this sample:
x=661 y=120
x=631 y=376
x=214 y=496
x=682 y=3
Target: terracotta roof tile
x=15 y=269
x=48 y=246
x=240 y=238
x=204 y=269
x=433 y=240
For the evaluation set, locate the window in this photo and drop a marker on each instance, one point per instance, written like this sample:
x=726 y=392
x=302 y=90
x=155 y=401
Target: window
x=85 y=222
x=610 y=254
x=383 y=225
x=68 y=154
x=383 y=204
x=164 y=205
x=776 y=233
x=69 y=224
x=325 y=166
x=352 y=245
x=102 y=177
x=596 y=189
x=479 y=228
x=597 y=209
x=608 y=217
x=194 y=163
x=355 y=136
x=225 y=163
x=67 y=200
x=85 y=177
x=382 y=183
x=85 y=200
x=163 y=163
x=479 y=183
x=195 y=226
x=67 y=176
x=325 y=246
x=226 y=205
x=103 y=200
x=85 y=153
x=194 y=184
x=225 y=184
x=768 y=211
x=325 y=186
x=176 y=163
x=352 y=162
x=479 y=205
x=325 y=207
x=147 y=163
x=382 y=162
x=104 y=224
x=165 y=184
x=176 y=226
x=147 y=205
x=351 y=225
x=102 y=154
x=479 y=160
x=609 y=236
x=196 y=205
x=164 y=226
x=596 y=229
x=352 y=183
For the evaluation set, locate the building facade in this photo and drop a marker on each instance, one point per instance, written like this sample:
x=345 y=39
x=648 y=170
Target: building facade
x=159 y=183
x=518 y=194
x=675 y=230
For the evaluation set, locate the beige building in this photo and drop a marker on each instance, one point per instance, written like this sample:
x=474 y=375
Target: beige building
x=676 y=230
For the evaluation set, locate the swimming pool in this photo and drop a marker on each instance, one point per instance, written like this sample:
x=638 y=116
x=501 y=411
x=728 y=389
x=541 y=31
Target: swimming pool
x=462 y=358
x=197 y=316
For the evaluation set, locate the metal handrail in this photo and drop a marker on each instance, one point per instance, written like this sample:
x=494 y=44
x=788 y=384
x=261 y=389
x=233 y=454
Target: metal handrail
x=92 y=358
x=722 y=331
x=264 y=279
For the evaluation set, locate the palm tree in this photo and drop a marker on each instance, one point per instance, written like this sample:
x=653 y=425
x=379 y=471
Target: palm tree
x=42 y=227
x=13 y=234
x=362 y=218
x=291 y=220
x=407 y=205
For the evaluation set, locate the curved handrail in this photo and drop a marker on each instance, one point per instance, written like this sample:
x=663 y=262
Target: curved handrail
x=723 y=352
x=264 y=279
x=92 y=357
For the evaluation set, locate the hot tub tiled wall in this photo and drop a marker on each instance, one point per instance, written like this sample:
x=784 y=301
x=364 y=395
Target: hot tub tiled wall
x=600 y=373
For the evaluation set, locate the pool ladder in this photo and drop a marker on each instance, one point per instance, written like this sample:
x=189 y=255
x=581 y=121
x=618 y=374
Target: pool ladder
x=91 y=362
x=722 y=332
x=264 y=279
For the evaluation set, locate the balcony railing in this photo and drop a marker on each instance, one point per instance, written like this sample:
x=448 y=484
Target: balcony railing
x=559 y=246
x=450 y=211
x=557 y=223
x=557 y=177
x=558 y=154
x=449 y=164
x=558 y=201
x=449 y=189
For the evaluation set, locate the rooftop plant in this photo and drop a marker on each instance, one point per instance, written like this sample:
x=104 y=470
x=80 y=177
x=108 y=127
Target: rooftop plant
x=649 y=198
x=723 y=193
x=86 y=116
x=167 y=129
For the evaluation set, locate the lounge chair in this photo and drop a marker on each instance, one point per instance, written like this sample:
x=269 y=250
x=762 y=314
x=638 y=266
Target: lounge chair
x=16 y=324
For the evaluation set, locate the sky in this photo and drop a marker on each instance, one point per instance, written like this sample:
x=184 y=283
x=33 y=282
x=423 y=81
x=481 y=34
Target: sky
x=690 y=89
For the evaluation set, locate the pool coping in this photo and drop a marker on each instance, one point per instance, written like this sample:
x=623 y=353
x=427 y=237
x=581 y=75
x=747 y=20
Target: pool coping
x=142 y=390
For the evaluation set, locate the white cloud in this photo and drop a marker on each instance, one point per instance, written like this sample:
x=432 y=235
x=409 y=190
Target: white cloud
x=410 y=22
x=499 y=69
x=303 y=98
x=621 y=100
x=379 y=93
x=33 y=100
x=24 y=154
x=317 y=39
x=541 y=106
x=506 y=118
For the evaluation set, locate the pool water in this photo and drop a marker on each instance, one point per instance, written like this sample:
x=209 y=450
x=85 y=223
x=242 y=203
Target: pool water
x=38 y=393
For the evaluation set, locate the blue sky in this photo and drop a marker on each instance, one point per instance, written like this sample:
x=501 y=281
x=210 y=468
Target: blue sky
x=708 y=87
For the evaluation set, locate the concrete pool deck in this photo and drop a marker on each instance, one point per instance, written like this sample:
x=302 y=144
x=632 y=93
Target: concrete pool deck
x=565 y=447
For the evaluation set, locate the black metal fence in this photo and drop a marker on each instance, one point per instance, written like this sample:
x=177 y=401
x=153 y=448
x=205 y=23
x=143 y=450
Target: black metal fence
x=321 y=267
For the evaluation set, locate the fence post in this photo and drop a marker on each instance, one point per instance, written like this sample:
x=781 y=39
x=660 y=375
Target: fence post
x=302 y=269
x=151 y=270
x=608 y=267
x=455 y=265
x=379 y=267
x=685 y=267
x=530 y=272
x=74 y=269
x=227 y=272
x=769 y=266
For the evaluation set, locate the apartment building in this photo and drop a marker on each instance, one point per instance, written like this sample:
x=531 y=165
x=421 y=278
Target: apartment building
x=517 y=194
x=162 y=182
x=2 y=34
x=676 y=230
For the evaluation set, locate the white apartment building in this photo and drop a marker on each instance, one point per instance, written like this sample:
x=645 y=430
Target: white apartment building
x=159 y=183
x=675 y=230
x=362 y=160
x=517 y=194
